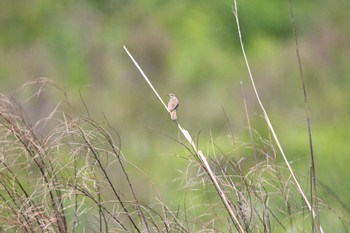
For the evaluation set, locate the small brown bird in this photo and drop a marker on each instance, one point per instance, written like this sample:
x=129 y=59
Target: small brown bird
x=173 y=105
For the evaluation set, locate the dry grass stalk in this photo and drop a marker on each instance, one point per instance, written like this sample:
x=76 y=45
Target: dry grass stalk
x=200 y=155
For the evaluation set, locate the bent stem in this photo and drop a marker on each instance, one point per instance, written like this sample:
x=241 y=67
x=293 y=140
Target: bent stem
x=299 y=189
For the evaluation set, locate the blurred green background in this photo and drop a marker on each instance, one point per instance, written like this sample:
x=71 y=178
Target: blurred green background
x=190 y=48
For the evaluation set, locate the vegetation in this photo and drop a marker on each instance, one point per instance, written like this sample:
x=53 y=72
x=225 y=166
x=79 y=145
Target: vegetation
x=66 y=168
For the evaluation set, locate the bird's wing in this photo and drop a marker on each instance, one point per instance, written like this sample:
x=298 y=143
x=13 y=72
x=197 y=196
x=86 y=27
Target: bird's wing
x=172 y=106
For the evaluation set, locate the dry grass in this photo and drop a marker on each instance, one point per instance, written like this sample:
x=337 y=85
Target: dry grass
x=58 y=174
x=58 y=181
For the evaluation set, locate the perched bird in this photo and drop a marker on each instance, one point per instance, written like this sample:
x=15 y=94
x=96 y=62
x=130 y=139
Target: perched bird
x=173 y=104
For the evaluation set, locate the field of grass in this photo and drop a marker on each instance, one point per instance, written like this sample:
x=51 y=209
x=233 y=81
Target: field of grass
x=260 y=144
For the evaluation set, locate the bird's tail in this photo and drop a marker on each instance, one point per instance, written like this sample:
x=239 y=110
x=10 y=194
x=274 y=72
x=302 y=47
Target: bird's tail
x=173 y=115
